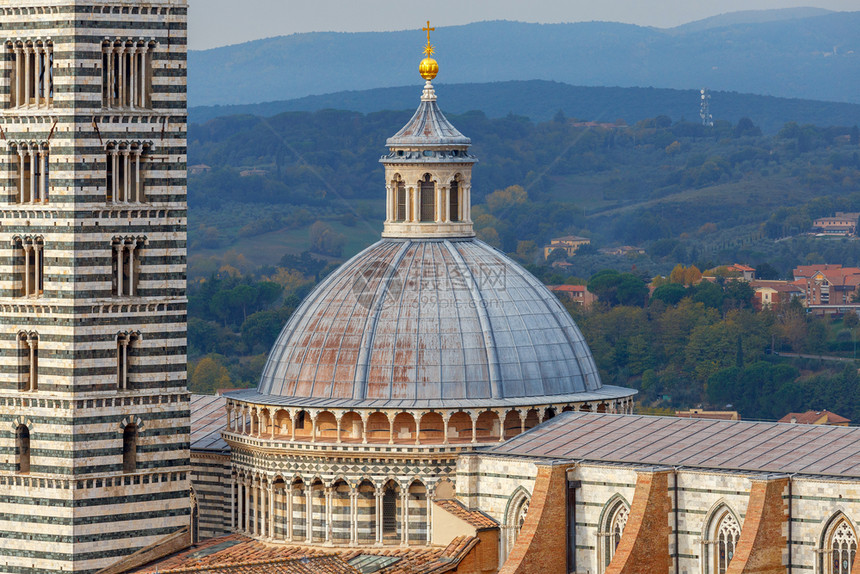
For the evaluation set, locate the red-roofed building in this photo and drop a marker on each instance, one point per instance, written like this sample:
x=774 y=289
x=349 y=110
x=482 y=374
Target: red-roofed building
x=745 y=272
x=770 y=293
x=827 y=284
x=816 y=418
x=579 y=294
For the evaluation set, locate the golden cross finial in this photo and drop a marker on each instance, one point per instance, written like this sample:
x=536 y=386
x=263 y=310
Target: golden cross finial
x=428 y=49
x=428 y=29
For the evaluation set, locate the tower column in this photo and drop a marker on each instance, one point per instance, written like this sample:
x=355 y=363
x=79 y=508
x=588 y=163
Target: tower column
x=19 y=76
x=233 y=502
x=43 y=182
x=37 y=271
x=38 y=55
x=22 y=159
x=120 y=247
x=309 y=514
x=240 y=518
x=131 y=247
x=138 y=192
x=34 y=157
x=26 y=76
x=447 y=200
x=27 y=248
x=289 y=533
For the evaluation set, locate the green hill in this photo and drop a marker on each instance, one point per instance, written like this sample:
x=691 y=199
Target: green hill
x=541 y=100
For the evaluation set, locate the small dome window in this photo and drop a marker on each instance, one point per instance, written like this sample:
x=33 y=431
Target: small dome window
x=428 y=153
x=455 y=153
x=400 y=152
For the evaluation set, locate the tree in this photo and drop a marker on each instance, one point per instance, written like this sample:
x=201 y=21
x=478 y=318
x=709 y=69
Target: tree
x=671 y=293
x=766 y=272
x=851 y=320
x=855 y=135
x=325 y=240
x=209 y=376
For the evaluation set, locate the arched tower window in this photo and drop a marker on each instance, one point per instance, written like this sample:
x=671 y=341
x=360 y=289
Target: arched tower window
x=28 y=361
x=32 y=256
x=124 y=343
x=389 y=512
x=22 y=449
x=454 y=200
x=400 y=187
x=129 y=448
x=428 y=199
x=840 y=548
x=614 y=522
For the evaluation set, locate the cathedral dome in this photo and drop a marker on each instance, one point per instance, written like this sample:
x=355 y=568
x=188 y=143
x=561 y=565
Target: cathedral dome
x=431 y=324
x=429 y=317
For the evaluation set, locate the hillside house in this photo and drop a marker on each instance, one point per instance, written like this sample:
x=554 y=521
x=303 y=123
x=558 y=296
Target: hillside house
x=579 y=294
x=569 y=243
x=843 y=224
x=816 y=418
x=623 y=250
x=770 y=293
x=827 y=284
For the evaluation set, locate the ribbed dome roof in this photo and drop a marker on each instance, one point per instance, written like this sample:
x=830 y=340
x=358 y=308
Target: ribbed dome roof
x=430 y=323
x=428 y=126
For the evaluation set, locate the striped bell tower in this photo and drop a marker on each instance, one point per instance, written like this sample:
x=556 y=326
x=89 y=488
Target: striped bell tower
x=94 y=410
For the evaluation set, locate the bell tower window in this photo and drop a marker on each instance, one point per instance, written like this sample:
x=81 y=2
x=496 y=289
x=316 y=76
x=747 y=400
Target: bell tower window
x=124 y=344
x=129 y=449
x=32 y=253
x=127 y=75
x=428 y=199
x=28 y=361
x=33 y=171
x=22 y=449
x=32 y=77
x=124 y=176
x=125 y=266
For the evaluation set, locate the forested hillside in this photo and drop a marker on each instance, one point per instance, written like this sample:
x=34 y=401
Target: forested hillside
x=541 y=100
x=312 y=181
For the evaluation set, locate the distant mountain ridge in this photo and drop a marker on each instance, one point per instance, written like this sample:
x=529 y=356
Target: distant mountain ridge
x=541 y=100
x=750 y=17
x=812 y=57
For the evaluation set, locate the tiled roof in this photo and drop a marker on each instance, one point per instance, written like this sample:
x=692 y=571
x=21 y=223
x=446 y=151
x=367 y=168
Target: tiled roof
x=811 y=417
x=567 y=288
x=208 y=419
x=693 y=443
x=474 y=517
x=778 y=286
x=238 y=554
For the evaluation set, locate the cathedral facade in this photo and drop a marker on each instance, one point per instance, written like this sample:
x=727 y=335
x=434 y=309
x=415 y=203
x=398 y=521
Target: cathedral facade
x=93 y=401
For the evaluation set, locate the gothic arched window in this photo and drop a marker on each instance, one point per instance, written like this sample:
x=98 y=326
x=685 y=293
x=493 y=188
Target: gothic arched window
x=613 y=529
x=515 y=518
x=840 y=548
x=728 y=531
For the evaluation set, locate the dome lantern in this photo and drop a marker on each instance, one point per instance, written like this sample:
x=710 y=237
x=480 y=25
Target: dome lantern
x=428 y=170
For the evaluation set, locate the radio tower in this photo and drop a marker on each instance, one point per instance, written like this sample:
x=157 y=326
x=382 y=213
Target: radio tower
x=705 y=109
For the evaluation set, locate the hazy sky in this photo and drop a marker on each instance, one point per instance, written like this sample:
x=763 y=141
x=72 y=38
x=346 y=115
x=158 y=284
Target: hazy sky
x=221 y=22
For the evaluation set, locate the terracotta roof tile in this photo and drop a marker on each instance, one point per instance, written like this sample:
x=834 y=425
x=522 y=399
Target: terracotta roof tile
x=474 y=517
x=235 y=554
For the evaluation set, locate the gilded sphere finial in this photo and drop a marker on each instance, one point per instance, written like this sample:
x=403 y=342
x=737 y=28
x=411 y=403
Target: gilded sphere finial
x=428 y=67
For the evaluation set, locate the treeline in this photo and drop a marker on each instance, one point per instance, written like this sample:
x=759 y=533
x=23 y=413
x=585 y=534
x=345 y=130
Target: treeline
x=234 y=319
x=706 y=345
